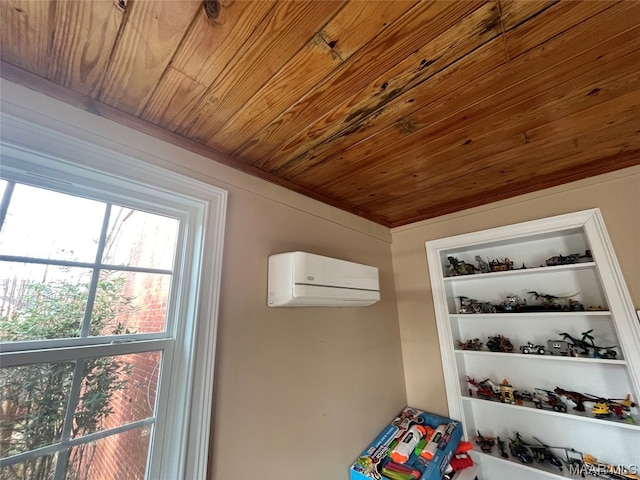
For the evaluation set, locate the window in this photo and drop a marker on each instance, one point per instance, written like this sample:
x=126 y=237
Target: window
x=102 y=286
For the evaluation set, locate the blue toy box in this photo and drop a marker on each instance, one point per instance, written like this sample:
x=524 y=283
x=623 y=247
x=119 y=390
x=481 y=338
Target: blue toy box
x=376 y=462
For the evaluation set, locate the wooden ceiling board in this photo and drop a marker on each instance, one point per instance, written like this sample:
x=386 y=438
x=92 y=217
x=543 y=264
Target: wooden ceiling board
x=148 y=40
x=515 y=12
x=355 y=25
x=582 y=124
x=472 y=138
x=396 y=111
x=24 y=34
x=599 y=138
x=286 y=29
x=349 y=119
x=348 y=122
x=493 y=92
x=392 y=180
x=478 y=139
x=211 y=44
x=309 y=66
x=83 y=36
x=602 y=165
x=553 y=21
x=473 y=191
x=365 y=138
x=400 y=39
x=518 y=12
x=359 y=22
x=208 y=47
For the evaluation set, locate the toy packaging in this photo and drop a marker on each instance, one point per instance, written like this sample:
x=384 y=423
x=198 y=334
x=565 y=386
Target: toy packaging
x=416 y=446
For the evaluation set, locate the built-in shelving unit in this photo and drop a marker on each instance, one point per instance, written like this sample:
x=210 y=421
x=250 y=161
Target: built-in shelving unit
x=592 y=304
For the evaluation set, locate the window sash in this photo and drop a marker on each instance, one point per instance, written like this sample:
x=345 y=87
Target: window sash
x=60 y=354
x=79 y=349
x=32 y=140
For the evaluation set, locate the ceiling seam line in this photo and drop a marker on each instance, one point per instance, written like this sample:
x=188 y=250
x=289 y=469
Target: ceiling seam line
x=143 y=109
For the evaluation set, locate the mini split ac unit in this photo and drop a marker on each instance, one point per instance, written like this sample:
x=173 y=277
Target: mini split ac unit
x=299 y=279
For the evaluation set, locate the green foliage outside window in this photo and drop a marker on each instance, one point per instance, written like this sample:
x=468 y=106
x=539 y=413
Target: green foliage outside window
x=34 y=398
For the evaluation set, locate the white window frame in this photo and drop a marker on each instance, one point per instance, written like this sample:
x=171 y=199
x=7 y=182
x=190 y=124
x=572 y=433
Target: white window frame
x=42 y=157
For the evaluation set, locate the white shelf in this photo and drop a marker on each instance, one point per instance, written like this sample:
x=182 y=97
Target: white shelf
x=535 y=358
x=520 y=271
x=570 y=414
x=604 y=314
x=596 y=284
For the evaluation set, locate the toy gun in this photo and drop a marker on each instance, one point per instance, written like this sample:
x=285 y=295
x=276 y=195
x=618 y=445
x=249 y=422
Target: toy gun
x=430 y=448
x=404 y=448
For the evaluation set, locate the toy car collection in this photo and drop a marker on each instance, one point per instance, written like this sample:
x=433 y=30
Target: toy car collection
x=567 y=346
x=461 y=267
x=541 y=333
x=568 y=460
x=552 y=399
x=513 y=303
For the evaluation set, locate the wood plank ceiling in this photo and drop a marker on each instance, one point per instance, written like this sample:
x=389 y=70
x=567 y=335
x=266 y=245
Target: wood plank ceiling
x=395 y=110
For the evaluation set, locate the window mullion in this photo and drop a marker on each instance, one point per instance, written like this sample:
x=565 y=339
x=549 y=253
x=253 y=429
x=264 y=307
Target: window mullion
x=74 y=397
x=93 y=287
x=4 y=203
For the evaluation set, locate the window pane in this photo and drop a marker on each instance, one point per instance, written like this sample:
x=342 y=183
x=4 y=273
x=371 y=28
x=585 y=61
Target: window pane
x=34 y=402
x=130 y=302
x=45 y=224
x=140 y=239
x=40 y=302
x=34 y=469
x=117 y=390
x=118 y=457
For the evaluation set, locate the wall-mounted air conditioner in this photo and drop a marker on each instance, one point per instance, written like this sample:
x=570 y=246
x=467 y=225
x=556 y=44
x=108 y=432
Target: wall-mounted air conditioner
x=299 y=279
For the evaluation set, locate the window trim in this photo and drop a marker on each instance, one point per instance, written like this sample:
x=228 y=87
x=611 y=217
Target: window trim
x=32 y=147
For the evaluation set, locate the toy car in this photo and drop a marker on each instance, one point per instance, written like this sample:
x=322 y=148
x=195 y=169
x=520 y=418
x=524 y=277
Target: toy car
x=548 y=399
x=531 y=348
